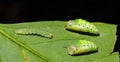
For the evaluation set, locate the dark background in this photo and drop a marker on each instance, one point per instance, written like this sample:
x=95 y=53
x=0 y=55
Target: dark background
x=17 y=11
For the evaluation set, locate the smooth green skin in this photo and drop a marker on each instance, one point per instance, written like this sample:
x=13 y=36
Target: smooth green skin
x=82 y=46
x=85 y=43
x=82 y=26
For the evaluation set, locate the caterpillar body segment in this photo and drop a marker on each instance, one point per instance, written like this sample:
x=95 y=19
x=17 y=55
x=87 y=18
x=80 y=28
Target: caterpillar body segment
x=34 y=32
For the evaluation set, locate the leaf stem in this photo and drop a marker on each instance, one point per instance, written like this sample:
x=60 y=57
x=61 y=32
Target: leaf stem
x=23 y=45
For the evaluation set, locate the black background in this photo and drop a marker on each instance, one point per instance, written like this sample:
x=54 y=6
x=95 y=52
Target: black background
x=17 y=11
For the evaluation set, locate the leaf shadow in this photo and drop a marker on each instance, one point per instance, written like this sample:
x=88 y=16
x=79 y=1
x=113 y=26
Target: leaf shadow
x=84 y=33
x=87 y=53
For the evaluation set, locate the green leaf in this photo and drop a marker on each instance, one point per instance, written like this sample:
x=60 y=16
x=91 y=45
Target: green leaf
x=31 y=48
x=111 y=58
x=0 y=59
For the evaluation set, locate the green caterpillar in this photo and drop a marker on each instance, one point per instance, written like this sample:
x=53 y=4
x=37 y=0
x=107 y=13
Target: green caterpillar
x=81 y=25
x=27 y=31
x=82 y=46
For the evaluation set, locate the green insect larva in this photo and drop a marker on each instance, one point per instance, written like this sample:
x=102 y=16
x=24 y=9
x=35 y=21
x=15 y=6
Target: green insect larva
x=81 y=25
x=34 y=32
x=82 y=46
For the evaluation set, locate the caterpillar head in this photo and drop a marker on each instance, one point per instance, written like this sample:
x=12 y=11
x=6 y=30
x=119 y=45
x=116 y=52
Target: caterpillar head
x=75 y=50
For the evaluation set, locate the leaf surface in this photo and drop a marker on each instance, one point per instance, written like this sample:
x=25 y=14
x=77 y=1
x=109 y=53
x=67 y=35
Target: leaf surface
x=54 y=48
